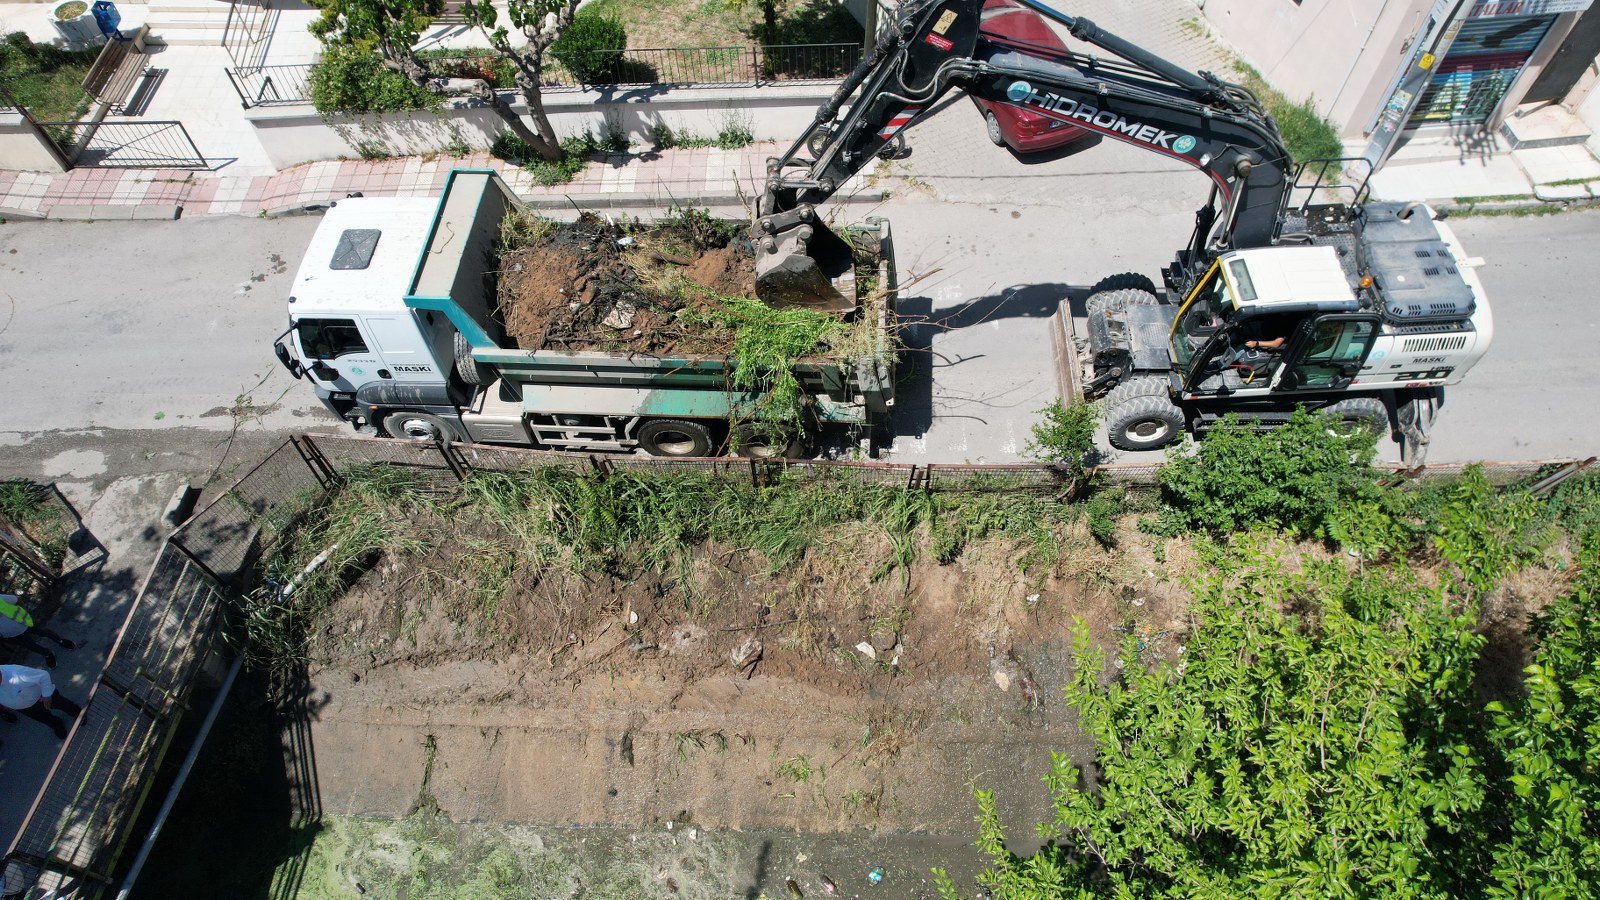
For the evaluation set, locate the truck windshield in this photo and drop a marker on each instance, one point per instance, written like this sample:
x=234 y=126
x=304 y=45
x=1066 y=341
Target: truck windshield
x=329 y=338
x=1202 y=314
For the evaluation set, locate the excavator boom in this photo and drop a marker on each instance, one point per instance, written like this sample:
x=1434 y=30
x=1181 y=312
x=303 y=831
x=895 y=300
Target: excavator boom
x=1137 y=98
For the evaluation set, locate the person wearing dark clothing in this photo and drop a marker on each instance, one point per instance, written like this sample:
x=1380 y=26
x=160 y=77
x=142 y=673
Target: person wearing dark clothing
x=17 y=627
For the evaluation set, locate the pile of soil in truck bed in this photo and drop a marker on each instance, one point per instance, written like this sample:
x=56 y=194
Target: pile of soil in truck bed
x=595 y=284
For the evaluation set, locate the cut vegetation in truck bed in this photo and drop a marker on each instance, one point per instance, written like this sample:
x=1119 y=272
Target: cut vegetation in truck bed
x=683 y=287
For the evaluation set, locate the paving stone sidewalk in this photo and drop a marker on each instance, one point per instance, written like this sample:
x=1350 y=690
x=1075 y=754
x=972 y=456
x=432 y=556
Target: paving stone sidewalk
x=697 y=176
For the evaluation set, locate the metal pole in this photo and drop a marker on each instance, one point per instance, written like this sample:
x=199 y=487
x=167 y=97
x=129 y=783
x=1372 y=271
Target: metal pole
x=183 y=776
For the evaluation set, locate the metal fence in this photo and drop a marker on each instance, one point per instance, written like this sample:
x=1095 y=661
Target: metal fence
x=127 y=145
x=83 y=818
x=748 y=66
x=271 y=85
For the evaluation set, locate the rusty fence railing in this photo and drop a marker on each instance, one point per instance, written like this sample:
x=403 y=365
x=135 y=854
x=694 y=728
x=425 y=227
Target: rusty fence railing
x=175 y=638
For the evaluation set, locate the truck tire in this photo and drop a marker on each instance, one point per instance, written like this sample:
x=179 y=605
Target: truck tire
x=1144 y=423
x=675 y=437
x=1124 y=281
x=752 y=443
x=1366 y=413
x=417 y=426
x=469 y=370
x=1135 y=387
x=1116 y=301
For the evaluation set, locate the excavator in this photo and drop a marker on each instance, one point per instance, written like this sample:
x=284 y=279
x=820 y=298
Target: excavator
x=1295 y=289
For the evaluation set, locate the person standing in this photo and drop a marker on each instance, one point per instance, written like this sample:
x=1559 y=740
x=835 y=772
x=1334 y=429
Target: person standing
x=26 y=690
x=17 y=627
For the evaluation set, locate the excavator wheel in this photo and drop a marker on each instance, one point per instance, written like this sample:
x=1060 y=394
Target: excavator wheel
x=1144 y=423
x=1367 y=413
x=1136 y=387
x=1124 y=281
x=1119 y=300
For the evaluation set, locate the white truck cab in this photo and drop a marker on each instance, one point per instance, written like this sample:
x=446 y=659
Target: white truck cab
x=350 y=330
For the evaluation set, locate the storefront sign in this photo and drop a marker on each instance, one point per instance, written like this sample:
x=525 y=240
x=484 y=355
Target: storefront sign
x=1527 y=7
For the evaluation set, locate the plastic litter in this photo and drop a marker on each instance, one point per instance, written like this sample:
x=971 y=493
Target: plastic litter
x=876 y=874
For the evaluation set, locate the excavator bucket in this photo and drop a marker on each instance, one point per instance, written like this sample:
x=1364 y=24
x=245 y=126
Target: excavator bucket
x=807 y=266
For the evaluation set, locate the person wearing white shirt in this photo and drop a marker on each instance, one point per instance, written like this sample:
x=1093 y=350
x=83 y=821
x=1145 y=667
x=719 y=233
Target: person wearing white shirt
x=26 y=690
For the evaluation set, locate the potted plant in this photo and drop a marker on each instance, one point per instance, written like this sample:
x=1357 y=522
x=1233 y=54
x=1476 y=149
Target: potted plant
x=74 y=20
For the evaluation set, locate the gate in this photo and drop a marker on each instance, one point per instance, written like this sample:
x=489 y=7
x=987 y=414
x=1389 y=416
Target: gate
x=248 y=32
x=126 y=145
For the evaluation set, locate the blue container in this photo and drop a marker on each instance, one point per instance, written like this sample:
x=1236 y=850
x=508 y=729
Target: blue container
x=107 y=17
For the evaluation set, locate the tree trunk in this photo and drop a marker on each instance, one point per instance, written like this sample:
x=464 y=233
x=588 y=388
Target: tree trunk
x=547 y=144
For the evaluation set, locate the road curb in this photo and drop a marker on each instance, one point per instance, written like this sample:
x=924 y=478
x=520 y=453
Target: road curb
x=10 y=213
x=111 y=212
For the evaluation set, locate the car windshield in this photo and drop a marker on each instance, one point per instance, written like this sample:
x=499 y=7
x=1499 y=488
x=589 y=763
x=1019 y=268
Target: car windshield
x=1200 y=317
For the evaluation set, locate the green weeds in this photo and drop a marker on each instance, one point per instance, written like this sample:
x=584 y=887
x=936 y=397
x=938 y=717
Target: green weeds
x=321 y=555
x=1305 y=133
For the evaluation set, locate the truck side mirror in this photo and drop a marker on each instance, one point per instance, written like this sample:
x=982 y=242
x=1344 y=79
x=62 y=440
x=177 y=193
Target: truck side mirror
x=288 y=360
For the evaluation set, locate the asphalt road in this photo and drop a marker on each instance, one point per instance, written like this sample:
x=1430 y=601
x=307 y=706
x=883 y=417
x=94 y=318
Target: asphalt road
x=154 y=345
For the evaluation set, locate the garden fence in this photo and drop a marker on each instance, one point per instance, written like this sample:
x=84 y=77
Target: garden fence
x=739 y=66
x=84 y=817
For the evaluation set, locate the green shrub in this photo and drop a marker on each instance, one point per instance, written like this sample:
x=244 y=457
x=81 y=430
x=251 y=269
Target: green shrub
x=1296 y=477
x=591 y=48
x=1102 y=512
x=352 y=81
x=1066 y=435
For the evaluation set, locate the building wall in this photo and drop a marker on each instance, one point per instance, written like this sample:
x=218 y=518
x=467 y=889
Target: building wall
x=1340 y=54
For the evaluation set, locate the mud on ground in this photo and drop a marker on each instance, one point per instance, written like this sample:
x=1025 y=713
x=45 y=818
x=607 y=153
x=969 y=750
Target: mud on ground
x=595 y=284
x=592 y=700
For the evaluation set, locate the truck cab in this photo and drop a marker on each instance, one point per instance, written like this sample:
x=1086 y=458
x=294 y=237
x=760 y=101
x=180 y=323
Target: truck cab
x=350 y=332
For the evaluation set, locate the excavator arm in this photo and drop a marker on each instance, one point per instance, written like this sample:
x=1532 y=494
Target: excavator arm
x=1137 y=98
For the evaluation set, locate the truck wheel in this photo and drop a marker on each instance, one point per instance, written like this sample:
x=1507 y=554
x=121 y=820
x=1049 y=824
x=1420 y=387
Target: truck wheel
x=675 y=437
x=1116 y=301
x=1366 y=413
x=468 y=369
x=1124 y=281
x=417 y=426
x=1144 y=423
x=754 y=443
x=1136 y=387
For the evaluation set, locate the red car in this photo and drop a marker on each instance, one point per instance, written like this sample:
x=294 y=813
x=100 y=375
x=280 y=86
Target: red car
x=1009 y=125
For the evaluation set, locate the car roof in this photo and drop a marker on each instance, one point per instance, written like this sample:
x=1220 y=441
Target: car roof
x=1005 y=19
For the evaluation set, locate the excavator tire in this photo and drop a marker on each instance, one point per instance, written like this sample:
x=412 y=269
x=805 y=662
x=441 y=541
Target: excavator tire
x=468 y=369
x=1135 y=387
x=1144 y=423
x=1367 y=413
x=1113 y=302
x=1124 y=281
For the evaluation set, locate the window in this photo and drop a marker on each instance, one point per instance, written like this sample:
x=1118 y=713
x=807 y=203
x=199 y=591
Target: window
x=330 y=338
x=1241 y=279
x=1334 y=353
x=1200 y=318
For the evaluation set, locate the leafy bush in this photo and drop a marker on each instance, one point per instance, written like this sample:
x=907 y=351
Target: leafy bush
x=1297 y=477
x=352 y=81
x=1551 y=741
x=1066 y=435
x=1286 y=754
x=591 y=48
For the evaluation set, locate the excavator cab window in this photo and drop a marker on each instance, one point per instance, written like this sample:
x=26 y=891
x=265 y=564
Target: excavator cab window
x=1330 y=357
x=1206 y=310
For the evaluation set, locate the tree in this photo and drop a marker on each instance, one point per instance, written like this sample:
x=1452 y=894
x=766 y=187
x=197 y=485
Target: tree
x=541 y=22
x=391 y=28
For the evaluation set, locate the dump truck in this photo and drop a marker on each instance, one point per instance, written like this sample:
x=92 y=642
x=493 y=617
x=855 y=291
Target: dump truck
x=395 y=319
